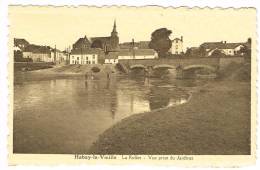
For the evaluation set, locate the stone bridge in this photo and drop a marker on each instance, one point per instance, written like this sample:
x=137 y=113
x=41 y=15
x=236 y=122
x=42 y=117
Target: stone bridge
x=185 y=63
x=211 y=63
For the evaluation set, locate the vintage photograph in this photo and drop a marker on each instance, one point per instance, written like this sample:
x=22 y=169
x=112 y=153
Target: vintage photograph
x=132 y=81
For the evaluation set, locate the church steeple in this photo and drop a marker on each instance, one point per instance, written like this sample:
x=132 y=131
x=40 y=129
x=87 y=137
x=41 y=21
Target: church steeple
x=114 y=32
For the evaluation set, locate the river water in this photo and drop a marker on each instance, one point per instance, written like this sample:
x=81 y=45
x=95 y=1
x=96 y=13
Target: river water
x=68 y=115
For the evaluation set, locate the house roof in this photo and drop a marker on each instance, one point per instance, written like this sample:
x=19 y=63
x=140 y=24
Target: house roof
x=39 y=49
x=221 y=45
x=42 y=50
x=139 y=44
x=86 y=51
x=177 y=39
x=136 y=52
x=31 y=48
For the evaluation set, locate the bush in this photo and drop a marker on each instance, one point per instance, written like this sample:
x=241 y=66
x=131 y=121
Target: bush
x=95 y=69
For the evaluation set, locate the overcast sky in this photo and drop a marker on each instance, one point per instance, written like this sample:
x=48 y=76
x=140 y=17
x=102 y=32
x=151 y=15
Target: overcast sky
x=62 y=26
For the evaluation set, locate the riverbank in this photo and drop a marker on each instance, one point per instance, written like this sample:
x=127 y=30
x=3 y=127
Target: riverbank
x=61 y=72
x=215 y=121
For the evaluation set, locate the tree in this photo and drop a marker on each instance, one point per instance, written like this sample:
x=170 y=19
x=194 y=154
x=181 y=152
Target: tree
x=196 y=52
x=245 y=51
x=160 y=41
x=217 y=53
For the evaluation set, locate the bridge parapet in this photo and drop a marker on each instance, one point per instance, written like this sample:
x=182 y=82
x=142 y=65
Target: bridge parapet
x=172 y=62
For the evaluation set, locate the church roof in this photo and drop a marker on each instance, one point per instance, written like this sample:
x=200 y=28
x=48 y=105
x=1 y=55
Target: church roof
x=102 y=39
x=83 y=40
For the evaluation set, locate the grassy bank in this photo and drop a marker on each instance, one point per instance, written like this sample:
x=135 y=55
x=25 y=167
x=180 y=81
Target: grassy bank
x=215 y=121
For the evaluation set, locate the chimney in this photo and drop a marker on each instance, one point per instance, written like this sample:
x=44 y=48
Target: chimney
x=133 y=43
x=181 y=38
x=225 y=42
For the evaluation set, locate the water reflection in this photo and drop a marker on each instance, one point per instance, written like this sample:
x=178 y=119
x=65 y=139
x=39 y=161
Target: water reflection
x=76 y=111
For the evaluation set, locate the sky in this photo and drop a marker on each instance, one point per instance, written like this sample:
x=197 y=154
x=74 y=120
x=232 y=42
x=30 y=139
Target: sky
x=62 y=26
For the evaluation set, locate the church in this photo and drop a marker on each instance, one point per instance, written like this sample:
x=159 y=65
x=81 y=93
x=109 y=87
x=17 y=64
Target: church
x=107 y=44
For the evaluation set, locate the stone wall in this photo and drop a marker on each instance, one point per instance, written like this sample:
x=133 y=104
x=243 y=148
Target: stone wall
x=224 y=61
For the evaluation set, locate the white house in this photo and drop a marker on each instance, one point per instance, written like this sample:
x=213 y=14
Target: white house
x=85 y=56
x=43 y=54
x=229 y=49
x=177 y=46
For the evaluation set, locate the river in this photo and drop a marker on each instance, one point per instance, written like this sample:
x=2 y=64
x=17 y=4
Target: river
x=67 y=115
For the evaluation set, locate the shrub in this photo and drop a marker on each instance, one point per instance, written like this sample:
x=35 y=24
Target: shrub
x=95 y=69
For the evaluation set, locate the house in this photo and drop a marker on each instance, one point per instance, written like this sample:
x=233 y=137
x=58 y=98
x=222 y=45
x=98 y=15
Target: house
x=40 y=53
x=86 y=56
x=29 y=51
x=177 y=46
x=58 y=56
x=229 y=49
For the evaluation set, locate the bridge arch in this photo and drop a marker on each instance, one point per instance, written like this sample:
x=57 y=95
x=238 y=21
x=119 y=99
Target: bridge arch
x=164 y=66
x=137 y=66
x=211 y=68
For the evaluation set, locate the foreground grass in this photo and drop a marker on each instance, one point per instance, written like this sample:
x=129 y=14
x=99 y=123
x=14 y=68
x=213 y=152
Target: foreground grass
x=215 y=121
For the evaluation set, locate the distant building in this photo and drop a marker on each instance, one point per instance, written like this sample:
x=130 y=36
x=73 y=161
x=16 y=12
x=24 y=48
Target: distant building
x=229 y=49
x=86 y=56
x=177 y=46
x=43 y=54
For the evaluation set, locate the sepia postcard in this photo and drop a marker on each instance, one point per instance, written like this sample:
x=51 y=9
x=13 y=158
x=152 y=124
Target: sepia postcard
x=123 y=85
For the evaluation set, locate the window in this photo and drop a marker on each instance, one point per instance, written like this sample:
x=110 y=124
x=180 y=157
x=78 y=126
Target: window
x=93 y=56
x=72 y=57
x=77 y=58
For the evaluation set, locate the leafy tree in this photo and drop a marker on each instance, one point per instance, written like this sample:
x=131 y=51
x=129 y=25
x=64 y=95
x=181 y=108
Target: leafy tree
x=217 y=53
x=160 y=41
x=245 y=51
x=95 y=69
x=197 y=52
x=18 y=56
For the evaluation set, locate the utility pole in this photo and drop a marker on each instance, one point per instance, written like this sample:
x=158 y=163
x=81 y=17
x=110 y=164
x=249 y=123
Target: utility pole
x=133 y=48
x=55 y=54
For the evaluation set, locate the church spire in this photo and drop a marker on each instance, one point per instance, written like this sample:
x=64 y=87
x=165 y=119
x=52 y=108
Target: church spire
x=114 y=32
